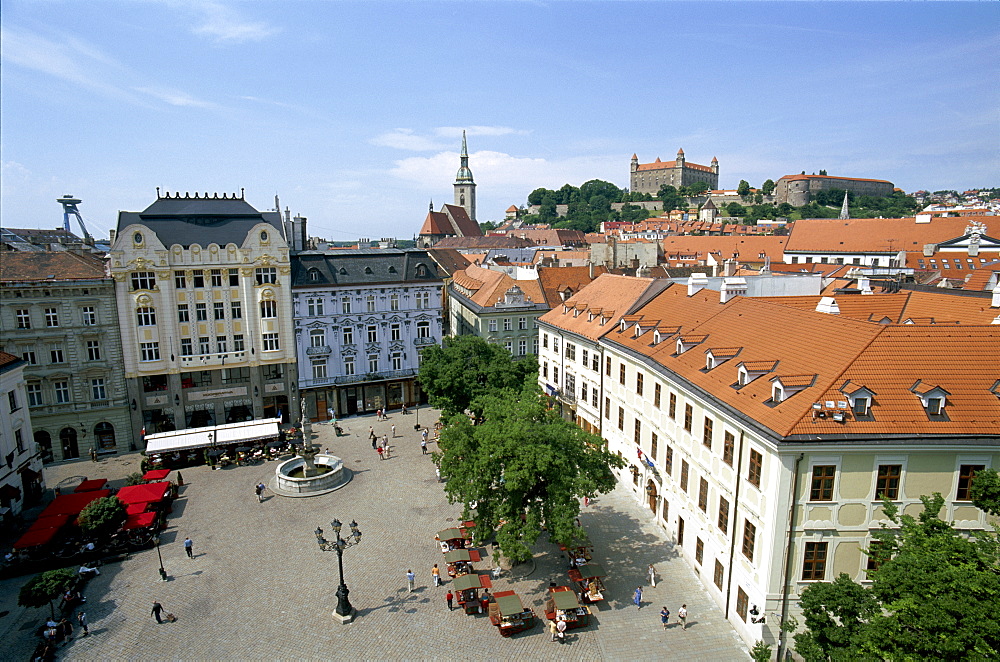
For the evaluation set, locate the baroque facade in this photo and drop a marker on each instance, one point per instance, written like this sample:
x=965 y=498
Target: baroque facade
x=58 y=313
x=203 y=286
x=649 y=177
x=362 y=318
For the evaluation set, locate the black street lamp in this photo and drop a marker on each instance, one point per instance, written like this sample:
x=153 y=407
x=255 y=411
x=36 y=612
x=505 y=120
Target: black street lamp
x=344 y=612
x=163 y=572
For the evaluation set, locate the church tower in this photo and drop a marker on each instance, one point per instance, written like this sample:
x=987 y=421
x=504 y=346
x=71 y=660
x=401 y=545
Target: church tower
x=465 y=187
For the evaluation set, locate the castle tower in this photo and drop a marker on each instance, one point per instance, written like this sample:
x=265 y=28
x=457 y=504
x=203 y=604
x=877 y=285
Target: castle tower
x=465 y=187
x=715 y=165
x=680 y=158
x=635 y=163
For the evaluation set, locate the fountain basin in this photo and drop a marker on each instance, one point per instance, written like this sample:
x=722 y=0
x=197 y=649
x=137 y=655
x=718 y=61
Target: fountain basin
x=336 y=476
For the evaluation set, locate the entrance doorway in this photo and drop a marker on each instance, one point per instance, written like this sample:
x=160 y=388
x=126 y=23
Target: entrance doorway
x=104 y=433
x=67 y=437
x=680 y=531
x=652 y=494
x=44 y=441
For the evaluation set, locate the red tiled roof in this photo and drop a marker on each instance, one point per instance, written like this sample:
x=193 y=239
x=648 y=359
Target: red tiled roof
x=851 y=179
x=50 y=266
x=665 y=165
x=857 y=235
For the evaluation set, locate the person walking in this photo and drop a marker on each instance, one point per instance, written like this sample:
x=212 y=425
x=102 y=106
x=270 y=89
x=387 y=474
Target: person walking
x=637 y=597
x=189 y=547
x=682 y=616
x=81 y=618
x=423 y=447
x=664 y=616
x=436 y=574
x=385 y=447
x=332 y=417
x=155 y=613
x=380 y=452
x=411 y=580
x=652 y=576
x=371 y=435
x=393 y=428
x=423 y=434
x=449 y=597
x=260 y=492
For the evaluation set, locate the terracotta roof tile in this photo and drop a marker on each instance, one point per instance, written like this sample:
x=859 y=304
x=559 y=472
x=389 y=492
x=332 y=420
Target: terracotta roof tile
x=606 y=292
x=879 y=234
x=50 y=265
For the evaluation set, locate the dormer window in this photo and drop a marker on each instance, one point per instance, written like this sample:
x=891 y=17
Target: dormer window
x=934 y=399
x=313 y=275
x=786 y=386
x=860 y=406
x=777 y=392
x=935 y=406
x=368 y=270
x=684 y=343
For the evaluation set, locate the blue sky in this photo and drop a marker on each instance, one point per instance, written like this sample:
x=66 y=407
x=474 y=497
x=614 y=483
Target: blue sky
x=352 y=112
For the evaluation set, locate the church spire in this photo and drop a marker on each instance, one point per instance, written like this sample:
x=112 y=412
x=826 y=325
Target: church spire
x=844 y=213
x=465 y=186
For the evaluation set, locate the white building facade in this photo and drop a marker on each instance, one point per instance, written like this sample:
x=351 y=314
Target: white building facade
x=21 y=481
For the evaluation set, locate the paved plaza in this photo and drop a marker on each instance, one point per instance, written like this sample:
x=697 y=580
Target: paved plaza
x=258 y=587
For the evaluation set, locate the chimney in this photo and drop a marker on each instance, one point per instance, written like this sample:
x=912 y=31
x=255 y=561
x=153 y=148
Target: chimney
x=731 y=288
x=923 y=218
x=697 y=282
x=591 y=271
x=865 y=285
x=112 y=234
x=729 y=268
x=930 y=249
x=828 y=305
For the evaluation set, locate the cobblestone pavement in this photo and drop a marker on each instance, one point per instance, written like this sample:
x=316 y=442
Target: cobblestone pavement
x=259 y=588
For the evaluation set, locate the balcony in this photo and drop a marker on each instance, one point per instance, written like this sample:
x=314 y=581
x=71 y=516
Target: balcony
x=424 y=341
x=318 y=351
x=208 y=360
x=357 y=379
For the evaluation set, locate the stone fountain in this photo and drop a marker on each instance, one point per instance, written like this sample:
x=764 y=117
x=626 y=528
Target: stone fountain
x=309 y=473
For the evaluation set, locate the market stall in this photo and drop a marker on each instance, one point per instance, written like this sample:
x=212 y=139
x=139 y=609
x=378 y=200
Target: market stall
x=509 y=614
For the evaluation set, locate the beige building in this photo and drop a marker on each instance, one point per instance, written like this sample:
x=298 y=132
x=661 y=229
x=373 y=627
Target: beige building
x=205 y=307
x=649 y=177
x=762 y=436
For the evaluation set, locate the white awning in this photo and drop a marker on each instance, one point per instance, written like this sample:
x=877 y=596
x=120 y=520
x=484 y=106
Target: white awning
x=222 y=435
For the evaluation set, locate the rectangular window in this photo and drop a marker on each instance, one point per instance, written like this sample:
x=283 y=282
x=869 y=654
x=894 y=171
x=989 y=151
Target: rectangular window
x=149 y=351
x=493 y=326
x=703 y=495
x=270 y=342
x=621 y=418
x=822 y=483
x=318 y=368
x=607 y=408
x=317 y=338
x=555 y=374
x=719 y=574
x=684 y=475
x=238 y=345
x=97 y=389
x=637 y=432
x=236 y=310
x=756 y=465
x=723 y=515
x=201 y=312
x=372 y=334
x=196 y=379
x=966 y=476
x=198 y=276
x=204 y=346
x=672 y=408
x=621 y=374
x=873 y=562
x=51 y=317
x=699 y=550
x=23 y=318
x=522 y=347
x=545 y=369
x=266 y=275
x=220 y=344
x=370 y=303
x=397 y=360
x=585 y=358
x=29 y=356
x=749 y=539
x=216 y=275
x=545 y=340
x=373 y=363
x=93 y=350
x=145 y=317
x=657 y=392
x=522 y=324
x=393 y=302
x=668 y=460
x=570 y=351
x=348 y=365
x=180 y=280
x=273 y=371
x=507 y=326
x=89 y=316
x=347 y=335
x=56 y=354
x=235 y=375
x=268 y=309
x=814 y=562
x=728 y=446
x=741 y=603
x=653 y=443
x=423 y=300
x=638 y=383
x=315 y=307
x=61 y=389
x=12 y=401
x=183 y=315
x=395 y=333
x=187 y=347
x=34 y=395
x=234 y=277
x=423 y=329
x=887 y=481
x=345 y=305
x=607 y=366
x=706 y=437
x=688 y=417
x=143 y=280
x=219 y=310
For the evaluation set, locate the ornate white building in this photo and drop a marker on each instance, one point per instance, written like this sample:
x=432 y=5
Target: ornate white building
x=21 y=481
x=203 y=286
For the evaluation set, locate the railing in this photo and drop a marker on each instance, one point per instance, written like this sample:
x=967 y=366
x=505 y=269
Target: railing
x=424 y=341
x=198 y=360
x=321 y=349
x=357 y=379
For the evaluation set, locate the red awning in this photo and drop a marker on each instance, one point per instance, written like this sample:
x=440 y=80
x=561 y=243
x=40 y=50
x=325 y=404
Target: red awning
x=91 y=485
x=73 y=504
x=156 y=474
x=49 y=522
x=35 y=538
x=140 y=493
x=136 y=508
x=140 y=521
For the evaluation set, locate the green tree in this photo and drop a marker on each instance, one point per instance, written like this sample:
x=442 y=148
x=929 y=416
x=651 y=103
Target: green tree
x=985 y=491
x=760 y=652
x=45 y=587
x=935 y=595
x=767 y=188
x=743 y=190
x=521 y=469
x=102 y=517
x=698 y=188
x=535 y=197
x=735 y=209
x=671 y=198
x=486 y=226
x=465 y=367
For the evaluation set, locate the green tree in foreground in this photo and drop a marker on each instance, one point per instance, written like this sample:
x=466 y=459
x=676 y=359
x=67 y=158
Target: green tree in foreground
x=523 y=468
x=985 y=491
x=934 y=595
x=102 y=517
x=45 y=587
x=743 y=190
x=465 y=367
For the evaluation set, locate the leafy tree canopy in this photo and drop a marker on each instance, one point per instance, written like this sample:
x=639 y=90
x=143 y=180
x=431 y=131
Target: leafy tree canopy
x=102 y=517
x=44 y=587
x=521 y=469
x=671 y=198
x=743 y=189
x=985 y=491
x=698 y=188
x=767 y=188
x=464 y=367
x=934 y=595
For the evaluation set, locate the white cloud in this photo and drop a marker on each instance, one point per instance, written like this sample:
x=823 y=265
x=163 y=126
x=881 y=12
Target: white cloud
x=456 y=131
x=406 y=139
x=224 y=26
x=175 y=97
x=412 y=141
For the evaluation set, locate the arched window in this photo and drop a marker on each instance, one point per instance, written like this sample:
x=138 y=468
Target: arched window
x=317 y=338
x=67 y=438
x=104 y=433
x=44 y=441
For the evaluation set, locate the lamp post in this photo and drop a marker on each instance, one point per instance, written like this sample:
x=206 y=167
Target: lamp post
x=163 y=572
x=344 y=612
x=211 y=445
